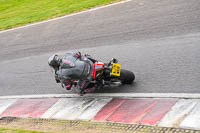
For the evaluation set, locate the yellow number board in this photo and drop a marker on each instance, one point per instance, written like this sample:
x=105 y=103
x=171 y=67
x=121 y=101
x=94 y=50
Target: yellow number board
x=116 y=69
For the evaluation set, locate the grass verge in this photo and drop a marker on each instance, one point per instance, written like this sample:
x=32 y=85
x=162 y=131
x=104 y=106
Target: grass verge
x=20 y=12
x=78 y=126
x=10 y=130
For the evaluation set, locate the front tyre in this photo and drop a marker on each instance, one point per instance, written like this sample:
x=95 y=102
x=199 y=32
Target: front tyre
x=126 y=77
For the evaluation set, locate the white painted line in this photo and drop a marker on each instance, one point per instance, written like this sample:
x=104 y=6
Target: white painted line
x=193 y=119
x=73 y=14
x=4 y=104
x=73 y=108
x=126 y=95
x=97 y=105
x=146 y=95
x=178 y=112
x=59 y=105
x=40 y=96
x=76 y=108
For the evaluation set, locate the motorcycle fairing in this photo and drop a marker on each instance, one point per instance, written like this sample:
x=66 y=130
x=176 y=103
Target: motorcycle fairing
x=98 y=68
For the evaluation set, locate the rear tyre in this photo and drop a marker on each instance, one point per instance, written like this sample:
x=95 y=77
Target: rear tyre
x=126 y=77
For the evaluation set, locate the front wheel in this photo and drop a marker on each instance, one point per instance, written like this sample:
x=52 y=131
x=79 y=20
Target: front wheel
x=126 y=77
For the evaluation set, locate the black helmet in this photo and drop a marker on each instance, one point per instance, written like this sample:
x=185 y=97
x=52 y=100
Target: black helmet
x=54 y=61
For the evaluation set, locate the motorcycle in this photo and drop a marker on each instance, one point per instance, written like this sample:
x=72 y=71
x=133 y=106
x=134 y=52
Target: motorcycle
x=107 y=74
x=110 y=74
x=86 y=74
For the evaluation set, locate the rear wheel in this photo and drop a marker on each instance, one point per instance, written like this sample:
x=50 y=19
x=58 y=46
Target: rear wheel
x=126 y=77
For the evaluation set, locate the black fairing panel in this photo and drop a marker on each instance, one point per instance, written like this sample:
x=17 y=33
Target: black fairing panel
x=73 y=68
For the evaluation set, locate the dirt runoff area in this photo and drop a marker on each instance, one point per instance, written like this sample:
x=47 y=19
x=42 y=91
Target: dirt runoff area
x=76 y=126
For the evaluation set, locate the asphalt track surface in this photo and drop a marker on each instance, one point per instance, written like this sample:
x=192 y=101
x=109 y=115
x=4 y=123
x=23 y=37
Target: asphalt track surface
x=158 y=40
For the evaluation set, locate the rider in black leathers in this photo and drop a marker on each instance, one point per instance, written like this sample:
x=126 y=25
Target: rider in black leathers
x=73 y=69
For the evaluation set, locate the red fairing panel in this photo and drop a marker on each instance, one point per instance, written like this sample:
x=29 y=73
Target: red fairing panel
x=96 y=67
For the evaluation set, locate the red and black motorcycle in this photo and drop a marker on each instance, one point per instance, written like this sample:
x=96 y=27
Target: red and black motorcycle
x=86 y=74
x=110 y=74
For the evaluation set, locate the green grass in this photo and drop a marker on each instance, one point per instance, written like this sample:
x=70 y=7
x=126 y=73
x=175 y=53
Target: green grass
x=10 y=130
x=20 y=12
